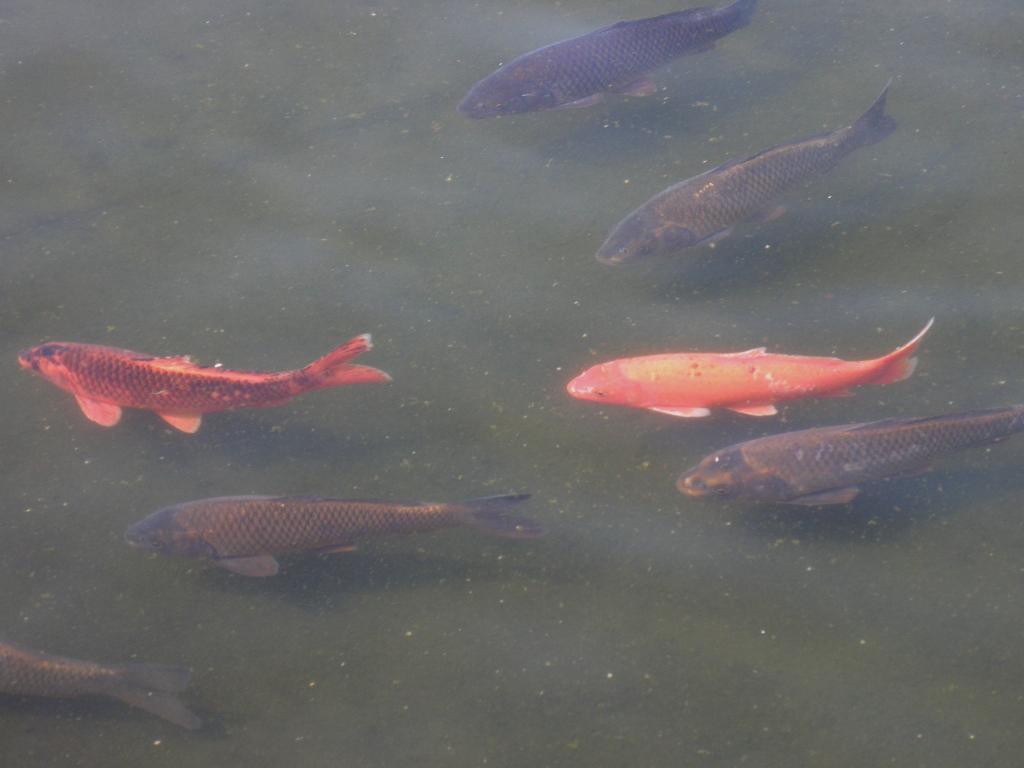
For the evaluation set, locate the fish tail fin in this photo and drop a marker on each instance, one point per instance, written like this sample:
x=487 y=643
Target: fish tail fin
x=491 y=513
x=874 y=125
x=333 y=370
x=900 y=363
x=152 y=687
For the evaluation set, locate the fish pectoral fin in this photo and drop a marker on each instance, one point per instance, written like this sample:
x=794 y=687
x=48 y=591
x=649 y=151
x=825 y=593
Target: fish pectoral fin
x=715 y=237
x=685 y=413
x=337 y=549
x=587 y=101
x=642 y=86
x=186 y=422
x=837 y=393
x=258 y=566
x=835 y=496
x=105 y=414
x=768 y=214
x=755 y=410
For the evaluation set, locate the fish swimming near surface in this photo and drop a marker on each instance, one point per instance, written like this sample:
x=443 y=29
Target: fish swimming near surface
x=106 y=379
x=690 y=384
x=148 y=686
x=243 y=533
x=577 y=72
x=704 y=209
x=827 y=465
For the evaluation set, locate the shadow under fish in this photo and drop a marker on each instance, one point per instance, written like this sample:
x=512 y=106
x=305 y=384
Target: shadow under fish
x=243 y=533
x=704 y=209
x=827 y=465
x=578 y=72
x=148 y=686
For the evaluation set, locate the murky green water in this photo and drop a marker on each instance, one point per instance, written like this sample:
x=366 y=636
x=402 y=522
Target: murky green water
x=254 y=182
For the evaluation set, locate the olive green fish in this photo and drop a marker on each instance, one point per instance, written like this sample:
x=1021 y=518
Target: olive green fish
x=578 y=72
x=148 y=686
x=705 y=209
x=826 y=465
x=243 y=533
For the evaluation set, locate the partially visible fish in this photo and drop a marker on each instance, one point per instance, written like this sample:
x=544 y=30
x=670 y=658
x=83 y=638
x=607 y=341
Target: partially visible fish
x=578 y=71
x=105 y=379
x=690 y=384
x=827 y=465
x=705 y=208
x=148 y=686
x=243 y=533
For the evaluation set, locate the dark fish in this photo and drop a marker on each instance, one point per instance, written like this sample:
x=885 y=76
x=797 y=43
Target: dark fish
x=576 y=72
x=243 y=533
x=704 y=209
x=825 y=465
x=148 y=686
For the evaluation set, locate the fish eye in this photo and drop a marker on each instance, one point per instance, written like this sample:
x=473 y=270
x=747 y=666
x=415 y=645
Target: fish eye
x=47 y=351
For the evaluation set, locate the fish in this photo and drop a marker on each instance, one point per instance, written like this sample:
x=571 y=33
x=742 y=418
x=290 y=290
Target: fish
x=706 y=208
x=827 y=465
x=104 y=380
x=690 y=384
x=145 y=685
x=578 y=72
x=243 y=533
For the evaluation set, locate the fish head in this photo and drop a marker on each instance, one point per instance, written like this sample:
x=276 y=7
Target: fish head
x=727 y=474
x=162 y=533
x=512 y=90
x=48 y=360
x=604 y=383
x=641 y=235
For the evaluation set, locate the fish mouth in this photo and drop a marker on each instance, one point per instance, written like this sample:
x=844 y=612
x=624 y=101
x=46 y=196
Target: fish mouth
x=474 y=108
x=613 y=257
x=690 y=485
x=135 y=537
x=25 y=359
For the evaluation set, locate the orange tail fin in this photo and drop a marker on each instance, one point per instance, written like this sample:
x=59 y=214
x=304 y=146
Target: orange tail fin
x=900 y=363
x=333 y=370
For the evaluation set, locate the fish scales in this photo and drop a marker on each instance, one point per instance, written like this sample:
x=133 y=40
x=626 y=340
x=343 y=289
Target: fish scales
x=241 y=527
x=31 y=673
x=140 y=384
x=875 y=450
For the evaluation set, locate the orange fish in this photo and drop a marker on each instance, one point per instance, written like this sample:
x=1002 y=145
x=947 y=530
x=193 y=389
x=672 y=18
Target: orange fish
x=106 y=379
x=689 y=384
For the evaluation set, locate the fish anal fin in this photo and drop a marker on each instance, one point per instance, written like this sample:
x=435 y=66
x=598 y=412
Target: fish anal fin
x=186 y=422
x=337 y=549
x=755 y=410
x=104 y=414
x=586 y=101
x=837 y=393
x=684 y=413
x=824 y=498
x=642 y=86
x=768 y=214
x=258 y=566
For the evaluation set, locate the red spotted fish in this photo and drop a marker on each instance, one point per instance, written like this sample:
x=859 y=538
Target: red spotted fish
x=106 y=379
x=144 y=685
x=243 y=533
x=705 y=209
x=827 y=465
x=577 y=72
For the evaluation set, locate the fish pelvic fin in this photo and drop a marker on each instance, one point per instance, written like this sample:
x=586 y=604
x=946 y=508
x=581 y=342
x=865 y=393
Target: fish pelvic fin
x=492 y=514
x=333 y=370
x=900 y=363
x=152 y=687
x=874 y=125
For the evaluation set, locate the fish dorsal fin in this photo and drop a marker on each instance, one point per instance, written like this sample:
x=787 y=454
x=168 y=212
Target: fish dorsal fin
x=755 y=352
x=186 y=422
x=258 y=566
x=182 y=363
x=104 y=414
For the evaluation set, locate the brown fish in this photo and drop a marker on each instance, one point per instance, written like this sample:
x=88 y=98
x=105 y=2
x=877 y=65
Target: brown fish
x=105 y=379
x=243 y=533
x=704 y=209
x=148 y=686
x=826 y=465
x=577 y=72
